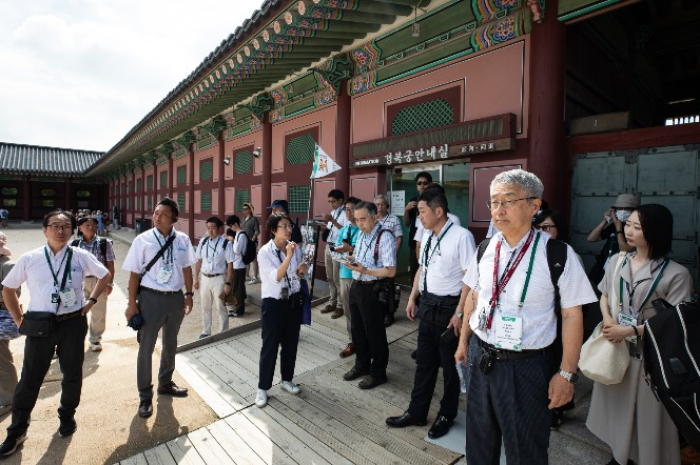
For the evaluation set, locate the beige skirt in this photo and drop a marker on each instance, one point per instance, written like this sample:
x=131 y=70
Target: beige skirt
x=632 y=422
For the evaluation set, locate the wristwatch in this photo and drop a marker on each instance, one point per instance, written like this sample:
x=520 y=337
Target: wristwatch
x=570 y=377
x=459 y=315
x=94 y=300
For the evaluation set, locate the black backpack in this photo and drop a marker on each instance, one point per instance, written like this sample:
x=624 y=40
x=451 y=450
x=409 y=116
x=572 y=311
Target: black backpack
x=250 y=252
x=102 y=245
x=556 y=260
x=671 y=354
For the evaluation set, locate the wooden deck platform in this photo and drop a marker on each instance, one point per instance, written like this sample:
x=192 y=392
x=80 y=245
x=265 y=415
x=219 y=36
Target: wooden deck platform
x=330 y=422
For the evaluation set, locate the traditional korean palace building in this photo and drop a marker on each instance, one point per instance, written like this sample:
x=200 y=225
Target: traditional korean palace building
x=597 y=97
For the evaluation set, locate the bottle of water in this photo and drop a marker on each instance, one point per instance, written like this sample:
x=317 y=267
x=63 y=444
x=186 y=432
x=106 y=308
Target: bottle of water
x=463 y=376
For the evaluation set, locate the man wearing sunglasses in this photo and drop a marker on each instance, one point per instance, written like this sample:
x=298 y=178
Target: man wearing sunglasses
x=410 y=216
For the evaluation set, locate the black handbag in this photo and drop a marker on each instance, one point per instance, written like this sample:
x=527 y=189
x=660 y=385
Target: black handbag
x=37 y=324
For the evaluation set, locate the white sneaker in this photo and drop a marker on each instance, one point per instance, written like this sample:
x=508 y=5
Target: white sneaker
x=290 y=387
x=95 y=346
x=261 y=398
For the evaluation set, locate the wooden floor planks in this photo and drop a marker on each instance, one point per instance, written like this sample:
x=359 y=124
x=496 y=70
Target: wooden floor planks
x=330 y=422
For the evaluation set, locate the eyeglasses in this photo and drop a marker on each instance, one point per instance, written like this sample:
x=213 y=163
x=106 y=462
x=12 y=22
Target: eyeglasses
x=59 y=226
x=494 y=204
x=285 y=226
x=333 y=200
x=381 y=204
x=422 y=183
x=546 y=227
x=350 y=209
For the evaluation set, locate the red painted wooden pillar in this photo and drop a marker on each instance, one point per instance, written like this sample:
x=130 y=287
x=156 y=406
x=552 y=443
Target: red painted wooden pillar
x=171 y=176
x=221 y=210
x=342 y=140
x=27 y=196
x=132 y=196
x=266 y=194
x=547 y=150
x=190 y=211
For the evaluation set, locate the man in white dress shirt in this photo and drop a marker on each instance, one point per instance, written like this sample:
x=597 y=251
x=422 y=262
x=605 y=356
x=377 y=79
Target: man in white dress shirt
x=210 y=275
x=335 y=221
x=54 y=275
x=446 y=251
x=236 y=267
x=510 y=327
x=157 y=296
x=390 y=223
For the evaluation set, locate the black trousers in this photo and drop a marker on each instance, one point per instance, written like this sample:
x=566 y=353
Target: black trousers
x=431 y=354
x=412 y=260
x=280 y=327
x=68 y=339
x=508 y=405
x=238 y=289
x=368 y=331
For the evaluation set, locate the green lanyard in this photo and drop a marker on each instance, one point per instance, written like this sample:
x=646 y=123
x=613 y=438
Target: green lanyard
x=426 y=249
x=529 y=271
x=170 y=249
x=209 y=247
x=651 y=290
x=66 y=271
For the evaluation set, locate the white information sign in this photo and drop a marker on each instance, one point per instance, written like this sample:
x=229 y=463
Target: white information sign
x=398 y=202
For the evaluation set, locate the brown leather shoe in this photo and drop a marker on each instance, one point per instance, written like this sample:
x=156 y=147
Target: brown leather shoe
x=328 y=309
x=337 y=313
x=348 y=350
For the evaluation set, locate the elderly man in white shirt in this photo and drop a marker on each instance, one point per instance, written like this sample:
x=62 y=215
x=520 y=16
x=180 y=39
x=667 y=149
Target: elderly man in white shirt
x=156 y=295
x=511 y=326
x=210 y=275
x=54 y=275
x=446 y=251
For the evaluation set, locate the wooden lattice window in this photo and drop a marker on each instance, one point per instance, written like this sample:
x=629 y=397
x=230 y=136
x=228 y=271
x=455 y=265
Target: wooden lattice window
x=243 y=162
x=301 y=149
x=206 y=201
x=206 y=170
x=181 y=174
x=242 y=196
x=422 y=116
x=163 y=179
x=298 y=198
x=149 y=183
x=181 y=202
x=139 y=186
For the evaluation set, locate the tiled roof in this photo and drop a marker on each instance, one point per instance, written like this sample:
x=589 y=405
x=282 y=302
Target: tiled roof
x=31 y=159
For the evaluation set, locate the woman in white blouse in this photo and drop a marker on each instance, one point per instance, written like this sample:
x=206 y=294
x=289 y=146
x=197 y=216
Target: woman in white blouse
x=281 y=271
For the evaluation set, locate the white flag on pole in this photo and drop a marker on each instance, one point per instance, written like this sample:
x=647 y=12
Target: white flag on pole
x=323 y=164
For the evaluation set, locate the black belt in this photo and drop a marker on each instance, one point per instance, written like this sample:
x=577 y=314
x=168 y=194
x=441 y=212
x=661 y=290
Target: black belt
x=68 y=316
x=367 y=283
x=212 y=275
x=502 y=354
x=156 y=291
x=2 y=306
x=426 y=294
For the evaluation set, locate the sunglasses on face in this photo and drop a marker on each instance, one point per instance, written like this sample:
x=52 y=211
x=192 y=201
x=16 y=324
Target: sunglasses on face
x=422 y=183
x=546 y=227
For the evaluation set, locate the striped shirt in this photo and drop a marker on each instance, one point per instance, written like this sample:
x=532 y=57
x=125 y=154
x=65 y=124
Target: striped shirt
x=94 y=248
x=391 y=223
x=364 y=252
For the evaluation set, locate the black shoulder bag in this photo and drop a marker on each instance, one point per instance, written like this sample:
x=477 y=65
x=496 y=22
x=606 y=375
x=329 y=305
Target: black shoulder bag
x=160 y=253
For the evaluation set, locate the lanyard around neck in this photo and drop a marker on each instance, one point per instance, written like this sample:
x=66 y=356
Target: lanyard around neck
x=368 y=246
x=66 y=271
x=286 y=274
x=170 y=249
x=426 y=250
x=497 y=288
x=630 y=295
x=218 y=239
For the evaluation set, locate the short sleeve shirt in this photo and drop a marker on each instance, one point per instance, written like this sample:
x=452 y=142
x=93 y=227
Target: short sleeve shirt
x=349 y=232
x=270 y=258
x=392 y=223
x=213 y=253
x=364 y=252
x=94 y=248
x=443 y=264
x=539 y=319
x=338 y=215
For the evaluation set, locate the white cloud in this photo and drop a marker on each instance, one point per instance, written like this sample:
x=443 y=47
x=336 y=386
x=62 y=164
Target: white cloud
x=82 y=73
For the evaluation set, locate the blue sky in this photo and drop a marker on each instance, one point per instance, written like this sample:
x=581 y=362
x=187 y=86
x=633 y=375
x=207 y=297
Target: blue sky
x=81 y=73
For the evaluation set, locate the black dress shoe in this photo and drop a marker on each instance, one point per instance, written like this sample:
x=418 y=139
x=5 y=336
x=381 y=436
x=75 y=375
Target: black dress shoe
x=11 y=444
x=405 y=420
x=354 y=373
x=414 y=354
x=172 y=389
x=388 y=320
x=67 y=428
x=371 y=382
x=440 y=428
x=145 y=408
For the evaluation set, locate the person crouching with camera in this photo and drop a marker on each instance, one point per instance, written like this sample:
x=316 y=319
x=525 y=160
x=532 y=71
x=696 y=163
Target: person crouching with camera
x=281 y=271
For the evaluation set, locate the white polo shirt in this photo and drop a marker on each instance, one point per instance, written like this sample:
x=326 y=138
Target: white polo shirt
x=391 y=223
x=237 y=249
x=33 y=269
x=213 y=254
x=364 y=252
x=539 y=319
x=339 y=215
x=270 y=258
x=146 y=245
x=444 y=263
x=420 y=230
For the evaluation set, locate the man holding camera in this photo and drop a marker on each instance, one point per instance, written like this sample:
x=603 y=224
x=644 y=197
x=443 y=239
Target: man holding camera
x=446 y=250
x=372 y=263
x=336 y=220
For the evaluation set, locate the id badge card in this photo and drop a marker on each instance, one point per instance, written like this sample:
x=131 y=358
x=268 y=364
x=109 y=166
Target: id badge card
x=68 y=298
x=626 y=320
x=207 y=267
x=54 y=298
x=509 y=332
x=164 y=275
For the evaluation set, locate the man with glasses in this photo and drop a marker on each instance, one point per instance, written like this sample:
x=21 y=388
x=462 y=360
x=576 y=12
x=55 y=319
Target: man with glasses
x=156 y=295
x=210 y=275
x=54 y=321
x=510 y=327
x=410 y=217
x=390 y=223
x=102 y=249
x=336 y=219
